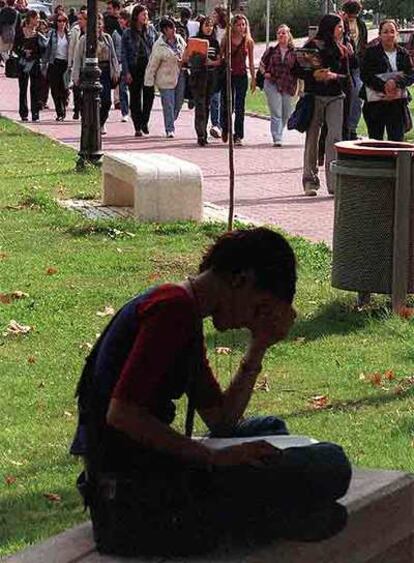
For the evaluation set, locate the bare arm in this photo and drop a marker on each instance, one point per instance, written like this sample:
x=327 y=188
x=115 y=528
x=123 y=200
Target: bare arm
x=148 y=431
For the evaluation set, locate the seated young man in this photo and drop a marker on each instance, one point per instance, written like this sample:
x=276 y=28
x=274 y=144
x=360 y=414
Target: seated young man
x=153 y=490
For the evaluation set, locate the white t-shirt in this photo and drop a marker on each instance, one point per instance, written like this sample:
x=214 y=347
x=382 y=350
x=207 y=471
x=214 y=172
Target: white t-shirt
x=392 y=57
x=283 y=51
x=62 y=47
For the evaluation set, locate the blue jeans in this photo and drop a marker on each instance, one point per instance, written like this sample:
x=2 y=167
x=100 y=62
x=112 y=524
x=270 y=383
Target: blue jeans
x=239 y=86
x=280 y=107
x=355 y=105
x=215 y=109
x=123 y=96
x=172 y=100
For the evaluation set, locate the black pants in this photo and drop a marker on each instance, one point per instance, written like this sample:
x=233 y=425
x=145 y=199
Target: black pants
x=105 y=80
x=165 y=507
x=202 y=87
x=57 y=85
x=141 y=99
x=77 y=99
x=381 y=116
x=34 y=77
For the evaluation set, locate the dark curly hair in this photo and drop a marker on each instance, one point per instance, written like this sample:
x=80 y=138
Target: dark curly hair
x=267 y=253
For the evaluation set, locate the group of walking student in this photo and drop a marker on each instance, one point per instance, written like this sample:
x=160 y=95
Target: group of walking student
x=351 y=76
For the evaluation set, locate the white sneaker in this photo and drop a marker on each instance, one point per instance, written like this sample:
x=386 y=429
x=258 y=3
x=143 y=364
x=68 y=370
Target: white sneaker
x=277 y=143
x=170 y=135
x=104 y=130
x=125 y=119
x=215 y=132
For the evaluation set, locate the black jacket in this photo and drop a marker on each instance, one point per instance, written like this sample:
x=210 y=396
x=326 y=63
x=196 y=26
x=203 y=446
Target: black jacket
x=375 y=61
x=331 y=58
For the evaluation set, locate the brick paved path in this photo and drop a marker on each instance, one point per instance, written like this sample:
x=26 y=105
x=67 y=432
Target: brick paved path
x=268 y=182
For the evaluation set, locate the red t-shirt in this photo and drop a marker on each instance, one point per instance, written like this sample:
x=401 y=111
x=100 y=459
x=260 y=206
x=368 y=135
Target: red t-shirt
x=154 y=372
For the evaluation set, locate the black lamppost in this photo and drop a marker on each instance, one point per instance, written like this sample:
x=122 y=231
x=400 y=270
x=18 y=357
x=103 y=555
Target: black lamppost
x=91 y=141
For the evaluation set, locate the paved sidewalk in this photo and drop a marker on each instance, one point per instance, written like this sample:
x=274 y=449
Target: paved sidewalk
x=268 y=180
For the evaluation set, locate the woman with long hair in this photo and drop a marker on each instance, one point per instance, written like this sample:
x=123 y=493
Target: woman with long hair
x=137 y=44
x=203 y=78
x=242 y=49
x=327 y=85
x=29 y=44
x=386 y=72
x=280 y=83
x=108 y=65
x=57 y=57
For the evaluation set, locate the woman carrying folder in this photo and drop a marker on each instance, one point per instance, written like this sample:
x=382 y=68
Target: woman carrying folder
x=386 y=72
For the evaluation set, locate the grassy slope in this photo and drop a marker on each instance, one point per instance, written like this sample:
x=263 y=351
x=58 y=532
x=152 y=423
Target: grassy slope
x=257 y=103
x=105 y=263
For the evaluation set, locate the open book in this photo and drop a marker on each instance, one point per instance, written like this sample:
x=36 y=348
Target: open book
x=281 y=442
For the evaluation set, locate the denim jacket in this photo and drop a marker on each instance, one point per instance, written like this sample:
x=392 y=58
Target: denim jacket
x=134 y=44
x=50 y=54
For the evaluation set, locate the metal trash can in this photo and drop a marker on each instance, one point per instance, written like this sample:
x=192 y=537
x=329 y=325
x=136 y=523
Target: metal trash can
x=374 y=217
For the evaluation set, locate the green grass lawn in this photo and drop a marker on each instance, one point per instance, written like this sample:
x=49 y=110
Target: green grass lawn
x=257 y=103
x=71 y=268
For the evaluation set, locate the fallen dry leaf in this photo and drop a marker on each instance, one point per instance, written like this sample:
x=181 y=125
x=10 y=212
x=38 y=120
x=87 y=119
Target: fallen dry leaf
x=389 y=374
x=87 y=346
x=107 y=312
x=3 y=255
x=14 y=329
x=319 y=402
x=300 y=339
x=53 y=497
x=9 y=480
x=31 y=360
x=51 y=271
x=222 y=350
x=19 y=294
x=41 y=385
x=262 y=385
x=374 y=378
x=406 y=312
x=9 y=297
x=68 y=414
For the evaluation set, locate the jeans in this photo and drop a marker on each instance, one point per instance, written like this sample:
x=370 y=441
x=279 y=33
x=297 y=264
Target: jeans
x=106 y=101
x=355 y=104
x=57 y=85
x=280 y=106
x=123 y=96
x=239 y=86
x=381 y=116
x=172 y=508
x=215 y=109
x=328 y=110
x=172 y=100
x=141 y=99
x=34 y=77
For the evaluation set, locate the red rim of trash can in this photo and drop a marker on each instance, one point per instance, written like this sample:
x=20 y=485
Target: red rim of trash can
x=371 y=147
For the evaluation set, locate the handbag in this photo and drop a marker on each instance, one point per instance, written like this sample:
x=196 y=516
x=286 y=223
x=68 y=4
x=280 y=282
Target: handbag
x=302 y=114
x=260 y=78
x=12 y=66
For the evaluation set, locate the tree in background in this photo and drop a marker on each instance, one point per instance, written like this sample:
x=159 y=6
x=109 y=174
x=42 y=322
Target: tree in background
x=297 y=14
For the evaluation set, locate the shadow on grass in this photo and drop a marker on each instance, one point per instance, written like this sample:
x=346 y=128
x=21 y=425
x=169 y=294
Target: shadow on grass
x=353 y=405
x=335 y=318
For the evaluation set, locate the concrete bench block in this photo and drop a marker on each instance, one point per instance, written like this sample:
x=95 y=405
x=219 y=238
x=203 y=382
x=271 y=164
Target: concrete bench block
x=160 y=187
x=380 y=530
